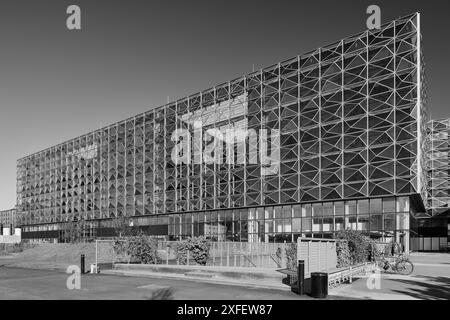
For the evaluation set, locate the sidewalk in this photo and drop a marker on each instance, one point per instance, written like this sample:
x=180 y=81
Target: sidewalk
x=254 y=278
x=429 y=281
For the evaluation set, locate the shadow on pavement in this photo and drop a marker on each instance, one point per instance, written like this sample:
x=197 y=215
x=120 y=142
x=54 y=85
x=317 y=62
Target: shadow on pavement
x=435 y=288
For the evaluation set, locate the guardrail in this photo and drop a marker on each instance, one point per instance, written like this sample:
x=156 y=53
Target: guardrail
x=346 y=275
x=337 y=277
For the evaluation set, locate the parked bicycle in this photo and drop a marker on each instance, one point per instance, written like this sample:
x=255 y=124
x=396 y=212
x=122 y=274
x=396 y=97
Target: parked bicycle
x=398 y=264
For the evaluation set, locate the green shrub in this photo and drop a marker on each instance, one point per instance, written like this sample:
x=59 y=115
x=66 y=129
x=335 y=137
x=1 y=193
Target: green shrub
x=181 y=250
x=291 y=256
x=139 y=248
x=373 y=250
x=198 y=248
x=344 y=258
x=360 y=247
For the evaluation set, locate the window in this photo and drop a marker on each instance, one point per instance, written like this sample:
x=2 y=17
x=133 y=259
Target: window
x=403 y=221
x=389 y=205
x=251 y=214
x=260 y=213
x=279 y=225
x=328 y=209
x=287 y=212
x=339 y=208
x=363 y=206
x=268 y=226
x=350 y=208
x=351 y=222
x=278 y=213
x=403 y=204
x=389 y=222
x=363 y=223
x=269 y=213
x=296 y=225
x=306 y=211
x=306 y=224
x=317 y=224
x=328 y=224
x=317 y=210
x=376 y=222
x=376 y=206
x=297 y=212
x=288 y=225
x=339 y=223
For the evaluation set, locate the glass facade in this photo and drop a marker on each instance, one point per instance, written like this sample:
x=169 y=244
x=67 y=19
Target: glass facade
x=439 y=166
x=328 y=140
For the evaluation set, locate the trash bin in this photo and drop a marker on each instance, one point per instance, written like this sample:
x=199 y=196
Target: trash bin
x=319 y=285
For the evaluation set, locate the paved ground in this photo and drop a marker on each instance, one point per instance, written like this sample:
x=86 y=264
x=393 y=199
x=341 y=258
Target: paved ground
x=16 y=283
x=430 y=281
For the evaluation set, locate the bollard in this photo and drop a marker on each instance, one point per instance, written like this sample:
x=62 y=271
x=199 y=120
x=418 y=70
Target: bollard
x=301 y=277
x=82 y=264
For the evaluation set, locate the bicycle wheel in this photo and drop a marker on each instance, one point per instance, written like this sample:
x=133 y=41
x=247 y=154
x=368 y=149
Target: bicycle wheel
x=404 y=267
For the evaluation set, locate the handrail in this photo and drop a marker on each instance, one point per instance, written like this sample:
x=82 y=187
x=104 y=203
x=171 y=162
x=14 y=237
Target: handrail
x=278 y=263
x=249 y=260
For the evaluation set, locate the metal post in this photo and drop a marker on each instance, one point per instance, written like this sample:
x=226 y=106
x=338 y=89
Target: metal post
x=228 y=254
x=96 y=256
x=301 y=277
x=350 y=275
x=82 y=264
x=167 y=255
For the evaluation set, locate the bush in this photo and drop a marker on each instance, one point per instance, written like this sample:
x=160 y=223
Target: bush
x=140 y=249
x=360 y=248
x=344 y=258
x=291 y=256
x=198 y=248
x=182 y=249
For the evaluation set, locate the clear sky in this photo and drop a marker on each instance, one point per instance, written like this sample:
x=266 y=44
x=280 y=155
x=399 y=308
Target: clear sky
x=57 y=84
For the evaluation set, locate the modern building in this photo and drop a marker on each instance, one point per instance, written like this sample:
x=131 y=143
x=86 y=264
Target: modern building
x=8 y=218
x=328 y=140
x=434 y=228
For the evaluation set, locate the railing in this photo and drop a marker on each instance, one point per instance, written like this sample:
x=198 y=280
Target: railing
x=337 y=277
x=221 y=254
x=231 y=254
x=346 y=275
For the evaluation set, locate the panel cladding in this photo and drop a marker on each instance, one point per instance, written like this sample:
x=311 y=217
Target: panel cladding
x=347 y=115
x=438 y=199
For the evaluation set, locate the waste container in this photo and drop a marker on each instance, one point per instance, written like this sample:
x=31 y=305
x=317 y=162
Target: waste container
x=319 y=285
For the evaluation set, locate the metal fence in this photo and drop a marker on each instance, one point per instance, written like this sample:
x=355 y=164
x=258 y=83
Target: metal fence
x=221 y=254
x=8 y=248
x=232 y=254
x=318 y=254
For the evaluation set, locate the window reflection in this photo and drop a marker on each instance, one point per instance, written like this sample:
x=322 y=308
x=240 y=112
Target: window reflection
x=284 y=223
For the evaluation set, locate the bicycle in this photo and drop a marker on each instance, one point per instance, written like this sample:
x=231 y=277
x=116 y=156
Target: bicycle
x=399 y=264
